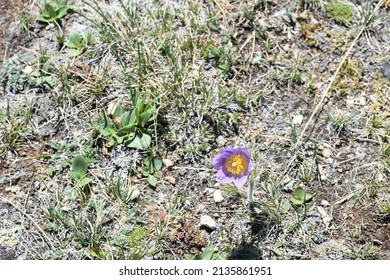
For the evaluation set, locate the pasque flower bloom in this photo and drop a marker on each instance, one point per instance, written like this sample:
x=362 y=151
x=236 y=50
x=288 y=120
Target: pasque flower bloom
x=233 y=165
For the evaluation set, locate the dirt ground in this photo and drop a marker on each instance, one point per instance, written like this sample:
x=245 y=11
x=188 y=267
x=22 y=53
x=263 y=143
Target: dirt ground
x=9 y=41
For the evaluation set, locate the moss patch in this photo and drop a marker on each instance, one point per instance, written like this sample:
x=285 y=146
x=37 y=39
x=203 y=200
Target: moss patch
x=340 y=12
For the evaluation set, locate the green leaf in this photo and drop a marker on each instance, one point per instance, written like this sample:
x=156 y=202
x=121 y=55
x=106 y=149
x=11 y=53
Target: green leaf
x=79 y=166
x=62 y=2
x=75 y=176
x=299 y=194
x=74 y=40
x=296 y=201
x=145 y=117
x=208 y=253
x=61 y=12
x=97 y=253
x=152 y=180
x=127 y=129
x=286 y=207
x=84 y=181
x=118 y=111
x=157 y=164
x=125 y=118
x=141 y=140
x=74 y=52
x=51 y=12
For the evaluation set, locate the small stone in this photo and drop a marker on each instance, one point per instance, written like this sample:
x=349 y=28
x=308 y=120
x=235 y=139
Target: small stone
x=208 y=222
x=229 y=7
x=326 y=152
x=304 y=15
x=220 y=141
x=218 y=196
x=386 y=69
x=170 y=179
x=350 y=103
x=338 y=143
x=288 y=184
x=167 y=162
x=326 y=218
x=297 y=120
x=324 y=203
x=27 y=70
x=210 y=190
x=318 y=238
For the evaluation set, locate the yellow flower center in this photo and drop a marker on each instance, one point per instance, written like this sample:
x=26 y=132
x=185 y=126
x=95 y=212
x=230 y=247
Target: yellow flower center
x=236 y=164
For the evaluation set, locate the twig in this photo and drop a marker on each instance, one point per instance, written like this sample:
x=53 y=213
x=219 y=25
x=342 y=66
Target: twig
x=32 y=220
x=326 y=91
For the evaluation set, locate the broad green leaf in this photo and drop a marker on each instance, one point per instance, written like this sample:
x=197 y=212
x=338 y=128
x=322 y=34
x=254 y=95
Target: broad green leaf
x=62 y=2
x=74 y=40
x=119 y=139
x=118 y=111
x=79 y=165
x=157 y=164
x=299 y=194
x=50 y=9
x=61 y=12
x=75 y=176
x=145 y=117
x=84 y=181
x=127 y=129
x=296 y=201
x=152 y=180
x=125 y=118
x=286 y=206
x=97 y=253
x=207 y=253
x=140 y=141
x=74 y=52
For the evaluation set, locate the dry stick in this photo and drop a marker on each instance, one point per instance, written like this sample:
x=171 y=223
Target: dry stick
x=32 y=220
x=325 y=93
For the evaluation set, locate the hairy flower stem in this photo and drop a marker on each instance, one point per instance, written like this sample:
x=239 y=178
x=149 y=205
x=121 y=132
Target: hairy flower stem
x=251 y=189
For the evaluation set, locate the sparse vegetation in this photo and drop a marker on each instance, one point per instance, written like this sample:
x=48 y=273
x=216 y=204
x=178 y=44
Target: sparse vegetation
x=110 y=117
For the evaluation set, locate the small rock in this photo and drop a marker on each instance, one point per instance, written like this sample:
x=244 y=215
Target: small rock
x=220 y=141
x=304 y=15
x=288 y=184
x=167 y=162
x=326 y=218
x=27 y=70
x=324 y=203
x=208 y=222
x=170 y=179
x=229 y=7
x=218 y=196
x=318 y=238
x=326 y=152
x=386 y=69
x=297 y=120
x=350 y=103
x=338 y=143
x=210 y=190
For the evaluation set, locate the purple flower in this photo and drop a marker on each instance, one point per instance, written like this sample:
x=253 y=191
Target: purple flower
x=233 y=165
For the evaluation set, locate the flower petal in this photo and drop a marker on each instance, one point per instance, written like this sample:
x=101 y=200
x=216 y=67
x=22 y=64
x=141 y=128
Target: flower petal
x=240 y=181
x=222 y=178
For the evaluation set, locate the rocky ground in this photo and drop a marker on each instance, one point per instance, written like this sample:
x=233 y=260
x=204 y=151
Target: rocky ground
x=305 y=92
